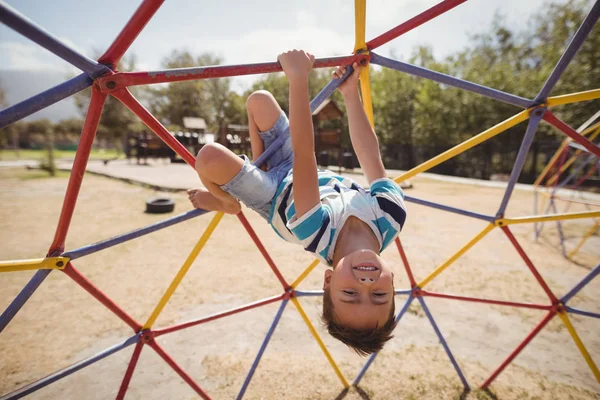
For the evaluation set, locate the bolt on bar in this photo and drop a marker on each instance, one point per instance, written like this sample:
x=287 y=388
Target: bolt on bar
x=20 y=23
x=451 y=81
x=44 y=99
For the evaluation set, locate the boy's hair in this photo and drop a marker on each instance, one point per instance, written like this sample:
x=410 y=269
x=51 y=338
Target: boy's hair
x=363 y=341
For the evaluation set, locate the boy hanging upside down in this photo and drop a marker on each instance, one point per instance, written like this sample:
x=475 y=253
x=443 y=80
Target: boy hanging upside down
x=329 y=215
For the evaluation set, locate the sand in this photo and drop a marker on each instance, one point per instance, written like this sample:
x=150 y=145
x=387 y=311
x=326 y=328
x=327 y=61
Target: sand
x=63 y=324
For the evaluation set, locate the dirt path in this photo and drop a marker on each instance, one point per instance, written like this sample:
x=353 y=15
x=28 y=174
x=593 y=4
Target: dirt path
x=62 y=324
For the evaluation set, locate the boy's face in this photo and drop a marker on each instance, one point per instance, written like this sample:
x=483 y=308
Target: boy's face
x=362 y=290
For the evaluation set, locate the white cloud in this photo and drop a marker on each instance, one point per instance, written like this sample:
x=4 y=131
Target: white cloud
x=30 y=56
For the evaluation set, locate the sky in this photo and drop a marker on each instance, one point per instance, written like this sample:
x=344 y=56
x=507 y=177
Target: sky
x=241 y=32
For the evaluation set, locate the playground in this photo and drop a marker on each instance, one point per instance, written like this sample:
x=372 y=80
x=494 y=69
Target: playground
x=483 y=309
x=62 y=324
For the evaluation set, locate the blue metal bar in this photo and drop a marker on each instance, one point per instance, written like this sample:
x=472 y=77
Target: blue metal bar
x=25 y=390
x=314 y=104
x=570 y=51
x=451 y=81
x=308 y=293
x=44 y=99
x=20 y=23
x=95 y=247
x=455 y=210
x=372 y=357
x=586 y=279
x=581 y=312
x=534 y=120
x=22 y=297
x=263 y=347
x=443 y=342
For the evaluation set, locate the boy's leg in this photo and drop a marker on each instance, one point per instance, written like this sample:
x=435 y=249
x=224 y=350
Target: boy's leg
x=216 y=165
x=263 y=111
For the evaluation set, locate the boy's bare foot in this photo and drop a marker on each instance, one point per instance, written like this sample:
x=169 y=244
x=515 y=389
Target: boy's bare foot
x=202 y=198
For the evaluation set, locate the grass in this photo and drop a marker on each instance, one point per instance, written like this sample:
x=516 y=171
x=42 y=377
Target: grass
x=26 y=154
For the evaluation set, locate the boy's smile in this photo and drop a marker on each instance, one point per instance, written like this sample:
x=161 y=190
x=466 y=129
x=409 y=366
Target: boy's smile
x=362 y=290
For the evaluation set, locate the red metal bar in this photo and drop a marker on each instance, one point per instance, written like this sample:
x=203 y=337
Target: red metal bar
x=411 y=278
x=412 y=23
x=81 y=158
x=487 y=301
x=584 y=177
x=164 y=331
x=100 y=296
x=572 y=133
x=262 y=249
x=188 y=379
x=130 y=368
x=516 y=352
x=532 y=268
x=123 y=79
x=132 y=29
x=151 y=122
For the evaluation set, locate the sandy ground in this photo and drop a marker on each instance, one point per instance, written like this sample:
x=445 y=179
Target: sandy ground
x=62 y=323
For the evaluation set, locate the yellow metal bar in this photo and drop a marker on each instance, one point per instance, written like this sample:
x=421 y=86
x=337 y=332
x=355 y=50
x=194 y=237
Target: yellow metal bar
x=34 y=264
x=360 y=22
x=550 y=163
x=573 y=98
x=183 y=270
x=305 y=274
x=466 y=145
x=585 y=237
x=313 y=331
x=365 y=89
x=545 y=218
x=580 y=346
x=456 y=255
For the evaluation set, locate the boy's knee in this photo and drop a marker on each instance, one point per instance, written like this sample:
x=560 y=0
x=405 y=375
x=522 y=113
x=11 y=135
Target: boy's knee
x=260 y=99
x=209 y=157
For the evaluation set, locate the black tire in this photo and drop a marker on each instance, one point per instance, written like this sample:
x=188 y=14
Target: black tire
x=160 y=205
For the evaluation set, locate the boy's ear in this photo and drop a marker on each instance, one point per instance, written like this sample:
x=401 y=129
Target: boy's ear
x=327 y=278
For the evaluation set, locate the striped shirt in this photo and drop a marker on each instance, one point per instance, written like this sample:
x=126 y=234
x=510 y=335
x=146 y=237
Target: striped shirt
x=381 y=208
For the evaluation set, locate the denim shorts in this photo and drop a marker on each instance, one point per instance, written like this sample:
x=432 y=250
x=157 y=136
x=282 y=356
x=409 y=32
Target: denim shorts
x=255 y=187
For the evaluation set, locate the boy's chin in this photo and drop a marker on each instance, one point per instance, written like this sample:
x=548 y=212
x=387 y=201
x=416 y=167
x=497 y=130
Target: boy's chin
x=360 y=257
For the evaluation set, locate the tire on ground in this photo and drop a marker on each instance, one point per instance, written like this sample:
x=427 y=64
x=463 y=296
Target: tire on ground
x=160 y=205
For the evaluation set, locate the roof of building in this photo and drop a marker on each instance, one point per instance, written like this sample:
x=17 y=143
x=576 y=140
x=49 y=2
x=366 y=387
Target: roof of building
x=194 y=123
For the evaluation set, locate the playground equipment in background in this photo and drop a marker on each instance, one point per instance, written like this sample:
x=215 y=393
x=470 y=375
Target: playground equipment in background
x=105 y=80
x=552 y=189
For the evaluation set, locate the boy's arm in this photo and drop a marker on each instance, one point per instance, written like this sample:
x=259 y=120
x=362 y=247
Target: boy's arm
x=363 y=137
x=297 y=65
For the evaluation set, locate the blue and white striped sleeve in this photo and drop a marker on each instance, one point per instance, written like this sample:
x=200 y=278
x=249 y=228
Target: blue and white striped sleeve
x=313 y=228
x=390 y=199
